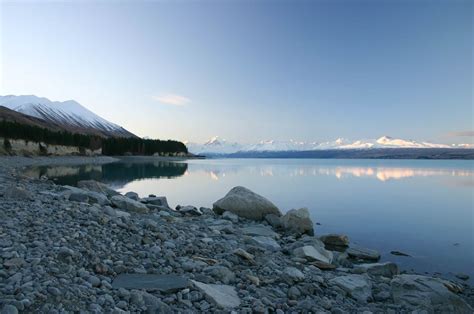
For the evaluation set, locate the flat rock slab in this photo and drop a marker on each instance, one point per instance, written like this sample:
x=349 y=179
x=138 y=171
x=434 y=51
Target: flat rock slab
x=223 y=296
x=163 y=283
x=363 y=253
x=260 y=231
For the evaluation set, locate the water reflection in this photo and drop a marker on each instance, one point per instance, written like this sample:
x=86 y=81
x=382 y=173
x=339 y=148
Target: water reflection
x=379 y=173
x=115 y=174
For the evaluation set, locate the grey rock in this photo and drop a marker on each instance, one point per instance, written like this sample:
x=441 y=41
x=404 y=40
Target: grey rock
x=189 y=210
x=98 y=187
x=221 y=273
x=128 y=204
x=273 y=220
x=335 y=240
x=163 y=283
x=387 y=269
x=427 y=293
x=156 y=200
x=259 y=230
x=19 y=193
x=312 y=253
x=245 y=203
x=363 y=253
x=223 y=296
x=267 y=243
x=462 y=276
x=357 y=286
x=134 y=196
x=94 y=281
x=9 y=309
x=230 y=216
x=79 y=197
x=293 y=275
x=297 y=221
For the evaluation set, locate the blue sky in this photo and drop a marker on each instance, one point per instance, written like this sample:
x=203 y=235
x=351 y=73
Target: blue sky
x=250 y=70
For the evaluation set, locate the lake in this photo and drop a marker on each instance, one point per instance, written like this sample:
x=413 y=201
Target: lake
x=420 y=207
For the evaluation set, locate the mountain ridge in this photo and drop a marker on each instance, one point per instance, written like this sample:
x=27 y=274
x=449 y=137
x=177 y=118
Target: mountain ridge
x=217 y=145
x=68 y=115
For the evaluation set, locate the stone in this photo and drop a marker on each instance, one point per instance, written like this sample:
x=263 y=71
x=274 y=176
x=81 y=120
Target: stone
x=223 y=296
x=189 y=210
x=79 y=197
x=134 y=196
x=293 y=275
x=387 y=269
x=163 y=283
x=94 y=281
x=273 y=220
x=298 y=222
x=462 y=276
x=426 y=293
x=333 y=240
x=398 y=253
x=259 y=230
x=245 y=255
x=156 y=200
x=245 y=203
x=9 y=309
x=98 y=187
x=230 y=216
x=363 y=253
x=357 y=286
x=128 y=204
x=312 y=253
x=267 y=243
x=221 y=273
x=18 y=193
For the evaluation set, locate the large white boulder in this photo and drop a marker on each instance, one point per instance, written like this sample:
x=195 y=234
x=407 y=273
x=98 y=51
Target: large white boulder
x=245 y=203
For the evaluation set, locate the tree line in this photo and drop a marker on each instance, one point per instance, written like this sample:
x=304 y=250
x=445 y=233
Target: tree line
x=110 y=146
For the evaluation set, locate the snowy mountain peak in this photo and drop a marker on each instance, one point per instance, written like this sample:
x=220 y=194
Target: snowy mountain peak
x=216 y=146
x=69 y=114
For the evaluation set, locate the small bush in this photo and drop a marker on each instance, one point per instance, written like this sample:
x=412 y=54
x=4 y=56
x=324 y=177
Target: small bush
x=7 y=145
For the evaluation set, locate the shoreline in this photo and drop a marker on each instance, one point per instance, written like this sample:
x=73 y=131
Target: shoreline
x=64 y=248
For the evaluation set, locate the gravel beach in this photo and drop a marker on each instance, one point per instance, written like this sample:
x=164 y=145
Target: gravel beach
x=90 y=249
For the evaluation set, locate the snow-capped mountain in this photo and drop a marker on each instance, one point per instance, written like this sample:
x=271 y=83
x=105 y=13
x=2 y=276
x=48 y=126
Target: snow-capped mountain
x=68 y=114
x=221 y=146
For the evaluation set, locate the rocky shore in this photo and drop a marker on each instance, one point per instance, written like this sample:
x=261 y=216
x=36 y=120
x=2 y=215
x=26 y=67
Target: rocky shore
x=90 y=249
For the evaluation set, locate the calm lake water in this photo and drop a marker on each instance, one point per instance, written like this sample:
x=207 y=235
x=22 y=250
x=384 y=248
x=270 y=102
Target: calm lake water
x=422 y=208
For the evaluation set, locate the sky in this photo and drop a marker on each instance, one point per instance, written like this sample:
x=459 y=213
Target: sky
x=250 y=70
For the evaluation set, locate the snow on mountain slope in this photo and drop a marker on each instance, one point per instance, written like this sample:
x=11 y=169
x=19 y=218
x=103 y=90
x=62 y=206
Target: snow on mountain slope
x=69 y=114
x=220 y=146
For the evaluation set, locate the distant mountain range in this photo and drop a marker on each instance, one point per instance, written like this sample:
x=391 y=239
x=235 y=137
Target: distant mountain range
x=217 y=146
x=67 y=115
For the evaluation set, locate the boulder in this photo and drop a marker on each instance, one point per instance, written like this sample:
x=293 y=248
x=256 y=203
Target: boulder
x=128 y=204
x=98 y=187
x=417 y=292
x=357 y=286
x=311 y=253
x=156 y=200
x=333 y=240
x=387 y=269
x=223 y=296
x=134 y=196
x=85 y=196
x=298 y=222
x=363 y=254
x=245 y=203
